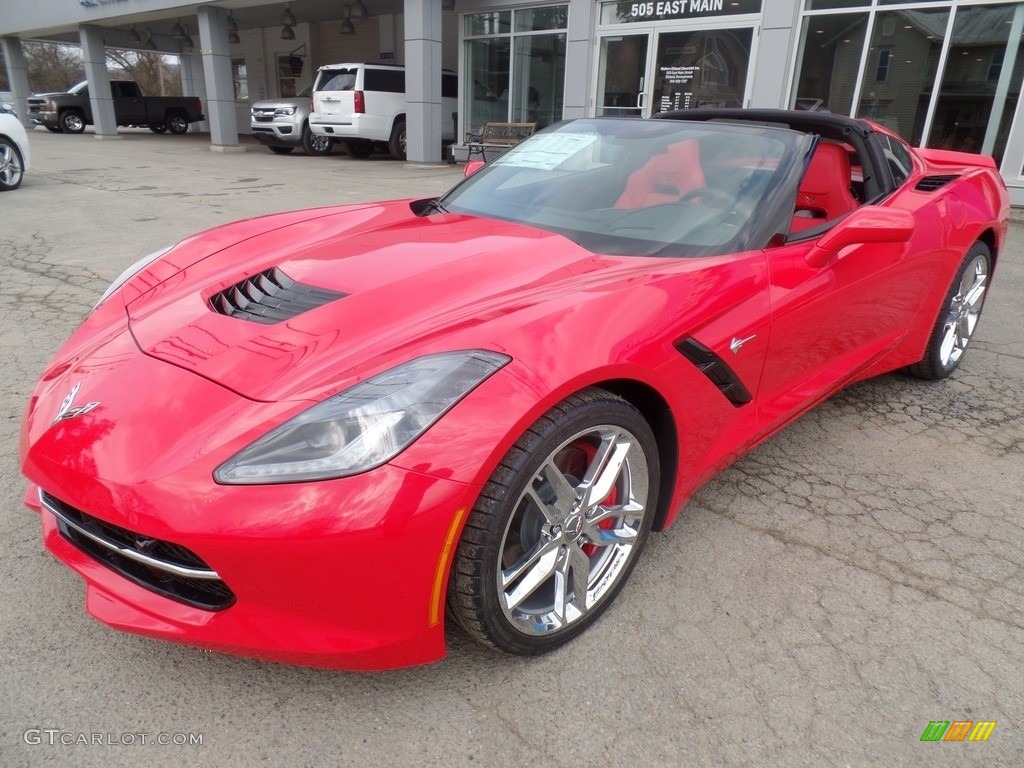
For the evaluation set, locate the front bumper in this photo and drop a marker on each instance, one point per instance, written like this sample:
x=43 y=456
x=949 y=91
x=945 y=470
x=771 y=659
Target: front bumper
x=277 y=135
x=348 y=573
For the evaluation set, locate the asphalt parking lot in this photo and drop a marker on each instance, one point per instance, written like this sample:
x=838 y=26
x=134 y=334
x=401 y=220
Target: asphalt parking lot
x=817 y=604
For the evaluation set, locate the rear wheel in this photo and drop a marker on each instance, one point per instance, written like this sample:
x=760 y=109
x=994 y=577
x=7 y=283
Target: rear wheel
x=961 y=310
x=558 y=527
x=281 y=150
x=176 y=123
x=359 y=148
x=12 y=167
x=316 y=144
x=397 y=142
x=72 y=121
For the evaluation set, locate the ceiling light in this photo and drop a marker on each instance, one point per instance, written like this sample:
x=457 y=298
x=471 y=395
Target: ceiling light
x=232 y=24
x=134 y=36
x=358 y=10
x=289 y=18
x=287 y=33
x=177 y=30
x=233 y=38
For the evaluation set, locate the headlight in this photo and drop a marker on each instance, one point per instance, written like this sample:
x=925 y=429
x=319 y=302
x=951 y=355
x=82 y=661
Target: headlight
x=129 y=273
x=284 y=111
x=364 y=426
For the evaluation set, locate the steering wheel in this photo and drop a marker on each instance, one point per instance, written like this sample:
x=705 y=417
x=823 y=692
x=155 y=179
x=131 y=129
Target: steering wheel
x=715 y=198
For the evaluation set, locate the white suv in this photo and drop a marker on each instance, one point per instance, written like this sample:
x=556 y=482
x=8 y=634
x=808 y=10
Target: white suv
x=364 y=105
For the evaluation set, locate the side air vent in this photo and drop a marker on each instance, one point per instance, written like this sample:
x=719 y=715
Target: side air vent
x=270 y=297
x=716 y=369
x=932 y=183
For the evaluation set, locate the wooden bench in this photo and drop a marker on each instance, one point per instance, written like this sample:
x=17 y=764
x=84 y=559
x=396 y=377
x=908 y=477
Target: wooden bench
x=497 y=136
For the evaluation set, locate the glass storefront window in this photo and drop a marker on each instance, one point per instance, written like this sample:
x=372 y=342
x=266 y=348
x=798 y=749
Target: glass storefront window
x=497 y=23
x=486 y=81
x=706 y=69
x=514 y=75
x=982 y=80
x=905 y=46
x=827 y=70
x=539 y=76
x=542 y=19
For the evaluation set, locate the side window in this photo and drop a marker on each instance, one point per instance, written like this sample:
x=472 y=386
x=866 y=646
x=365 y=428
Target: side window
x=387 y=80
x=897 y=154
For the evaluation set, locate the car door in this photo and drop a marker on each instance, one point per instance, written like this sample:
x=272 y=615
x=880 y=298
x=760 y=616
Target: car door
x=129 y=106
x=832 y=320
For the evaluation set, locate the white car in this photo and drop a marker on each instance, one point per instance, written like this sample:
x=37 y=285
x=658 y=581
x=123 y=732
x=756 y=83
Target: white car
x=14 y=154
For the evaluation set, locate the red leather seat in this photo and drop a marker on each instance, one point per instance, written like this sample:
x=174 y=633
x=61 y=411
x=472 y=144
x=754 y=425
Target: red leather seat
x=665 y=178
x=824 y=192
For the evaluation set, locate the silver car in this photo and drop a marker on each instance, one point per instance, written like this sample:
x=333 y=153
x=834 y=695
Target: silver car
x=283 y=124
x=14 y=154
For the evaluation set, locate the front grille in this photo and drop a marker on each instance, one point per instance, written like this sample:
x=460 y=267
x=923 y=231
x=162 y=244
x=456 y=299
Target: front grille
x=263 y=118
x=270 y=297
x=932 y=183
x=163 y=567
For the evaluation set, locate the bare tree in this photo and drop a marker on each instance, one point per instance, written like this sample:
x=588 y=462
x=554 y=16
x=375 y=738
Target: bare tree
x=156 y=74
x=52 y=66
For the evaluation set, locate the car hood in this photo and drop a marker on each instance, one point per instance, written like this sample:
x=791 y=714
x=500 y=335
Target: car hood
x=272 y=103
x=403 y=283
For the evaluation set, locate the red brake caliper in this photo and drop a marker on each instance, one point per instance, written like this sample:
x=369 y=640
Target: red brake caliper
x=591 y=451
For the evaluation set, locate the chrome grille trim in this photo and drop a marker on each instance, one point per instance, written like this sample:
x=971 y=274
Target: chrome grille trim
x=152 y=562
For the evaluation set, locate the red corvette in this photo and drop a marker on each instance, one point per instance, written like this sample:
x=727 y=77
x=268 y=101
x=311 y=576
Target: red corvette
x=309 y=437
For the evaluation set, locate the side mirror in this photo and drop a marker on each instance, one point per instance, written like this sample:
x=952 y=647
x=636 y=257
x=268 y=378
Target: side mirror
x=472 y=168
x=869 y=224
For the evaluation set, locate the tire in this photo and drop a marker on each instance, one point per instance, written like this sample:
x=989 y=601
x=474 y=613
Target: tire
x=72 y=121
x=517 y=575
x=958 y=317
x=359 y=148
x=176 y=123
x=281 y=150
x=397 y=142
x=157 y=128
x=314 y=144
x=12 y=165
x=54 y=129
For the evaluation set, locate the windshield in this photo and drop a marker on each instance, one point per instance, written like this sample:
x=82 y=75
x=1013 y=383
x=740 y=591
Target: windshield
x=643 y=187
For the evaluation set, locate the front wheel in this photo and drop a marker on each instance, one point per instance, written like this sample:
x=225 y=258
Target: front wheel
x=558 y=527
x=12 y=167
x=72 y=121
x=176 y=123
x=316 y=144
x=958 y=317
x=397 y=142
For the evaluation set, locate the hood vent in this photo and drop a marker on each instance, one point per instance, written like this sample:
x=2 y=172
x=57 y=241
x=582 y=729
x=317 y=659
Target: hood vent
x=932 y=183
x=270 y=297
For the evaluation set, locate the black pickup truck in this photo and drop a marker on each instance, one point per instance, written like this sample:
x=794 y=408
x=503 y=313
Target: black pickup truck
x=70 y=112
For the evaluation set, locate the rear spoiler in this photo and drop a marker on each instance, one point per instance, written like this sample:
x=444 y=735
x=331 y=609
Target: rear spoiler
x=948 y=157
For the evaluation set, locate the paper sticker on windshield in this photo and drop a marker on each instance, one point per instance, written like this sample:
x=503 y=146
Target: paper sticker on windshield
x=547 y=150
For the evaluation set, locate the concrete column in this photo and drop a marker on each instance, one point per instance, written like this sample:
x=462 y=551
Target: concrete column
x=17 y=76
x=94 y=54
x=190 y=69
x=579 y=54
x=423 y=81
x=220 y=88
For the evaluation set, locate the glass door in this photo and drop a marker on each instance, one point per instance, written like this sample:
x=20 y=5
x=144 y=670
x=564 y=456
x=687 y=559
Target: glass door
x=622 y=76
x=701 y=69
x=652 y=71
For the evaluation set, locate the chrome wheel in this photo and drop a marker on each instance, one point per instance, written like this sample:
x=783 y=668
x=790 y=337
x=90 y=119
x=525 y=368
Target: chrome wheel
x=11 y=167
x=573 y=530
x=559 y=526
x=958 y=317
x=177 y=123
x=72 y=122
x=964 y=311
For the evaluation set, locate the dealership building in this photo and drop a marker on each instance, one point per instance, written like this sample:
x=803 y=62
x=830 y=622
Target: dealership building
x=943 y=73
